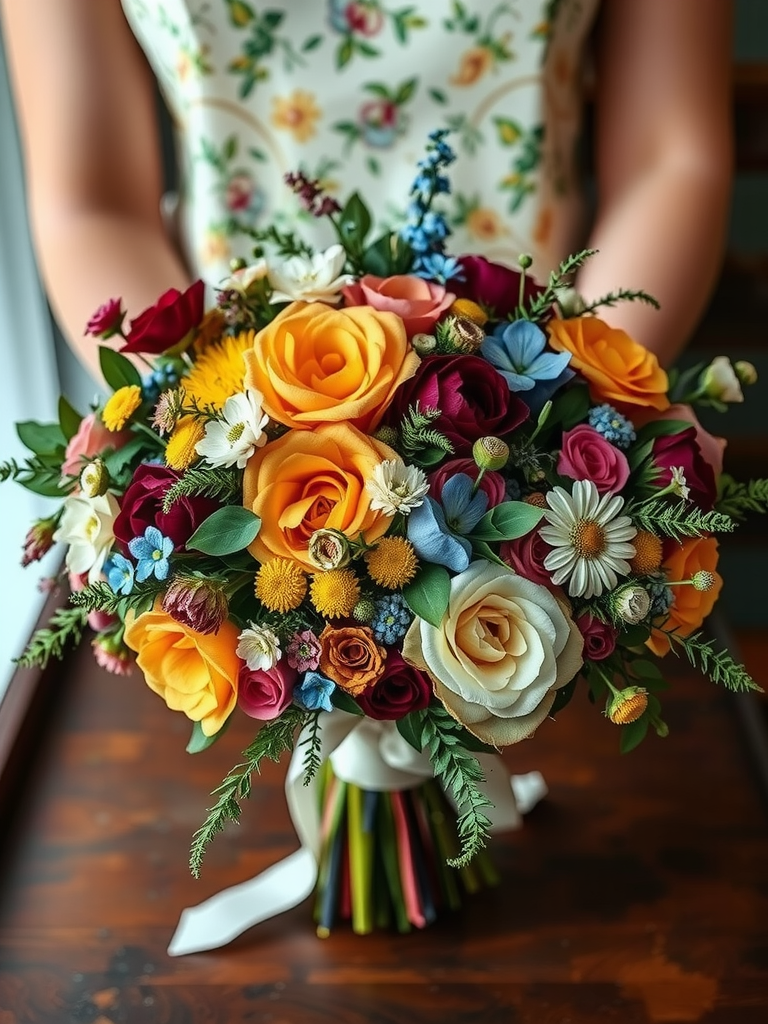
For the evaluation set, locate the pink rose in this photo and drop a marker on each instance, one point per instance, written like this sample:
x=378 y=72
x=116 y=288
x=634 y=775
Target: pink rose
x=96 y=620
x=266 y=693
x=492 y=483
x=418 y=303
x=493 y=285
x=586 y=455
x=107 y=320
x=91 y=439
x=599 y=637
x=526 y=556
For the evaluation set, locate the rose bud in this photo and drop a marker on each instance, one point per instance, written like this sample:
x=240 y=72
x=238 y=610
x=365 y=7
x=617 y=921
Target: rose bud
x=200 y=604
x=328 y=549
x=107 y=320
x=39 y=541
x=94 y=479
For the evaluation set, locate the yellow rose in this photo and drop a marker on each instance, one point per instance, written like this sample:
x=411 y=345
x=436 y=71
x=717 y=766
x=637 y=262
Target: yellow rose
x=193 y=672
x=617 y=368
x=504 y=646
x=314 y=365
x=313 y=480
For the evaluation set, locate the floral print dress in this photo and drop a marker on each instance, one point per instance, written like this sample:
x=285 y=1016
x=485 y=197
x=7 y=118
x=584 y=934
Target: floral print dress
x=348 y=90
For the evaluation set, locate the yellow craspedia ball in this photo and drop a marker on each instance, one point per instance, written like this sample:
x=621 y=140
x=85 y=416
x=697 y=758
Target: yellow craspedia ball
x=392 y=563
x=648 y=553
x=121 y=406
x=281 y=585
x=180 y=452
x=335 y=593
x=469 y=309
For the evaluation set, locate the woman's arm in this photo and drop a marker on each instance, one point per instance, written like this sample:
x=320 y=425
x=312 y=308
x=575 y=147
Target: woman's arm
x=86 y=112
x=663 y=162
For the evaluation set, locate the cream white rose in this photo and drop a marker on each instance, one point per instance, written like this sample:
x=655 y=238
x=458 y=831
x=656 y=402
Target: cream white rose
x=504 y=646
x=86 y=525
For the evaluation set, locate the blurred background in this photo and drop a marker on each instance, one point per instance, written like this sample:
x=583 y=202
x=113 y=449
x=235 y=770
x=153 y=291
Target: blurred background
x=37 y=363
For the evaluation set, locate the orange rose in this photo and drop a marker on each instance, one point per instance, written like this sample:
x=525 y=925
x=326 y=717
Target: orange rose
x=311 y=480
x=193 y=672
x=690 y=606
x=314 y=364
x=351 y=657
x=617 y=368
x=417 y=302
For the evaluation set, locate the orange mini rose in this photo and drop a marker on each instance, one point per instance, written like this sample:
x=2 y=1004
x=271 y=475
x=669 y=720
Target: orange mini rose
x=307 y=481
x=351 y=657
x=193 y=672
x=690 y=606
x=314 y=364
x=617 y=368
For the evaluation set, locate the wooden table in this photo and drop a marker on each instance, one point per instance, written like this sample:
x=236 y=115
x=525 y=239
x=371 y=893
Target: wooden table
x=637 y=893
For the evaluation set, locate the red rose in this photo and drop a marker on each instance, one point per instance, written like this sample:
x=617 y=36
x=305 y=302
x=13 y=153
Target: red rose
x=586 y=455
x=400 y=690
x=599 y=637
x=526 y=556
x=266 y=693
x=492 y=484
x=142 y=506
x=168 y=323
x=474 y=399
x=107 y=320
x=682 y=450
x=417 y=302
x=493 y=285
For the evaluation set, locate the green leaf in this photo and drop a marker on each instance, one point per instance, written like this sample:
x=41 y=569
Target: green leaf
x=354 y=223
x=388 y=255
x=660 y=428
x=198 y=741
x=46 y=485
x=116 y=461
x=632 y=735
x=227 y=530
x=410 y=728
x=429 y=593
x=570 y=407
x=342 y=700
x=634 y=636
x=118 y=371
x=646 y=669
x=41 y=438
x=563 y=696
x=508 y=521
x=69 y=418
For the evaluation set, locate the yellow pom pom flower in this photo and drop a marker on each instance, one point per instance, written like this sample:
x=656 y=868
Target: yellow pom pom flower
x=335 y=593
x=121 y=406
x=281 y=585
x=180 y=452
x=392 y=563
x=469 y=309
x=648 y=553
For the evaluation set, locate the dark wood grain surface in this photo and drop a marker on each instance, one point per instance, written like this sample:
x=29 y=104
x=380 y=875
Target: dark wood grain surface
x=637 y=893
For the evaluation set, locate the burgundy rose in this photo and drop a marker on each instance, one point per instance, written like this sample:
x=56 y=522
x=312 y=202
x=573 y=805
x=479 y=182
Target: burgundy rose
x=474 y=400
x=586 y=455
x=682 y=450
x=400 y=690
x=142 y=506
x=526 y=556
x=266 y=693
x=107 y=320
x=493 y=285
x=599 y=637
x=174 y=316
x=492 y=483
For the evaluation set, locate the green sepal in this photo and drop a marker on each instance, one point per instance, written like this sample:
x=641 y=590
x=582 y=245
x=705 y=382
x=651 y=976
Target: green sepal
x=225 y=531
x=429 y=593
x=117 y=370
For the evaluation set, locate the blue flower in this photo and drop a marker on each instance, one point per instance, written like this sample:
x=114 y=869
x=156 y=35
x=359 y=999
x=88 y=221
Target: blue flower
x=391 y=620
x=119 y=572
x=436 y=530
x=612 y=425
x=435 y=266
x=151 y=552
x=314 y=692
x=518 y=350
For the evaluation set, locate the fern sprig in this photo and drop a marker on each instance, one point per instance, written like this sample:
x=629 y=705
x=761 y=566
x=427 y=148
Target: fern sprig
x=718 y=666
x=100 y=597
x=65 y=628
x=460 y=773
x=418 y=440
x=737 y=498
x=224 y=485
x=311 y=740
x=621 y=295
x=273 y=740
x=678 y=521
x=560 y=278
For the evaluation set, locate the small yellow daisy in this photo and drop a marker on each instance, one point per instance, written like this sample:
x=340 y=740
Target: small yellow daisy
x=392 y=563
x=335 y=593
x=121 y=406
x=180 y=452
x=648 y=553
x=470 y=310
x=281 y=585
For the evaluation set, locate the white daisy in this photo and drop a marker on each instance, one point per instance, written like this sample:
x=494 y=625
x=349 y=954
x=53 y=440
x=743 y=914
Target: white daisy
x=315 y=278
x=259 y=647
x=590 y=538
x=397 y=487
x=238 y=432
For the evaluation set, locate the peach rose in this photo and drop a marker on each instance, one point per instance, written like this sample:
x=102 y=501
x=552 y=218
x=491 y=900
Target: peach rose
x=193 y=672
x=311 y=480
x=314 y=364
x=351 y=657
x=91 y=439
x=690 y=606
x=617 y=368
x=417 y=302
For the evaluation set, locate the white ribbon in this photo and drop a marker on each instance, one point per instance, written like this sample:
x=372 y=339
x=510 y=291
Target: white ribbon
x=369 y=754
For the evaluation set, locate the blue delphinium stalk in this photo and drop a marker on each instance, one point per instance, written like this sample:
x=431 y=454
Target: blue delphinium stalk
x=314 y=692
x=426 y=230
x=391 y=620
x=614 y=427
x=151 y=553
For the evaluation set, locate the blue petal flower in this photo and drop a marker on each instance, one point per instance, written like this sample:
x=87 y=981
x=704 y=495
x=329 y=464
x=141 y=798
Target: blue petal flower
x=314 y=692
x=120 y=573
x=433 y=541
x=463 y=509
x=518 y=351
x=151 y=553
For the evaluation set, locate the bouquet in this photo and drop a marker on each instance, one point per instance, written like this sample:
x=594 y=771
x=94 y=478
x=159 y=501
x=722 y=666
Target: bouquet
x=396 y=506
